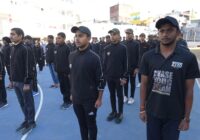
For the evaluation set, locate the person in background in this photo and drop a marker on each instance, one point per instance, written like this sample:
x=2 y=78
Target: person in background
x=50 y=48
x=115 y=72
x=144 y=47
x=6 y=54
x=181 y=42
x=39 y=55
x=3 y=93
x=61 y=65
x=28 y=42
x=132 y=48
x=152 y=43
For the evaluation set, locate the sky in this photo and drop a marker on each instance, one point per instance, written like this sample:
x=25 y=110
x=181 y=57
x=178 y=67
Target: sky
x=100 y=8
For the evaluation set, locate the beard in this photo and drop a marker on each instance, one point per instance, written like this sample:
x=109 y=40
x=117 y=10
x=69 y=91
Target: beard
x=167 y=43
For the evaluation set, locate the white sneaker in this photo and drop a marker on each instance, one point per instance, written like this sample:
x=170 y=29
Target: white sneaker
x=35 y=93
x=125 y=99
x=138 y=85
x=131 y=101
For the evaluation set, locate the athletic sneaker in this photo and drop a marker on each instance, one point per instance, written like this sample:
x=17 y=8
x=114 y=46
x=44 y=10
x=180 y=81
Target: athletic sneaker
x=28 y=128
x=2 y=105
x=64 y=106
x=131 y=101
x=119 y=118
x=111 y=116
x=125 y=99
x=35 y=93
x=23 y=125
x=138 y=85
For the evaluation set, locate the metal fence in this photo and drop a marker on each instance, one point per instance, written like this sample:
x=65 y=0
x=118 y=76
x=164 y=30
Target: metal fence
x=192 y=34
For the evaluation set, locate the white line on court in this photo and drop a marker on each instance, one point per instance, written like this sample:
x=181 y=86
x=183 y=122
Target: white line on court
x=38 y=110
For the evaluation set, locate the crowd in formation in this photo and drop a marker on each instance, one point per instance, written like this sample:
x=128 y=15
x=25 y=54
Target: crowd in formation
x=165 y=67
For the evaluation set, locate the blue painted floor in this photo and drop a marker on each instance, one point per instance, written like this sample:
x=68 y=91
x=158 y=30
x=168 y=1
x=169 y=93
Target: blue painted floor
x=56 y=124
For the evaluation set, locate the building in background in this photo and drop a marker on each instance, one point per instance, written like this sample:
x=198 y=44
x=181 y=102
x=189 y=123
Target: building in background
x=120 y=13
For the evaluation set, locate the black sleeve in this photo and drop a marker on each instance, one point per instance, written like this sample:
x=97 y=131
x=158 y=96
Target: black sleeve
x=99 y=75
x=125 y=63
x=192 y=71
x=104 y=60
x=67 y=63
x=2 y=64
x=42 y=58
x=144 y=67
x=137 y=55
x=29 y=65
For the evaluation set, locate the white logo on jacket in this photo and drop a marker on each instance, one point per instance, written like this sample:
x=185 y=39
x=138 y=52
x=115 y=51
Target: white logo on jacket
x=177 y=65
x=55 y=52
x=108 y=53
x=70 y=66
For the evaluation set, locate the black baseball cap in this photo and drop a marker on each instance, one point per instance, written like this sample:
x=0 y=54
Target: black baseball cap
x=169 y=20
x=82 y=29
x=114 y=31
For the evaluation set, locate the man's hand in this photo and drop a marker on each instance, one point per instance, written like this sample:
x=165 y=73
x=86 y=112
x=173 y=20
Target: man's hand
x=135 y=72
x=98 y=103
x=122 y=82
x=26 y=87
x=143 y=116
x=184 y=125
x=71 y=97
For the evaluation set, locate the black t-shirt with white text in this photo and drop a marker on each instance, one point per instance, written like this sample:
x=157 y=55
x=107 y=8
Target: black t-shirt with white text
x=166 y=81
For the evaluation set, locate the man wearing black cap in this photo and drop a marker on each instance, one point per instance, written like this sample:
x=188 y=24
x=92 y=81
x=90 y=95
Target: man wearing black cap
x=87 y=83
x=132 y=48
x=61 y=64
x=168 y=76
x=115 y=69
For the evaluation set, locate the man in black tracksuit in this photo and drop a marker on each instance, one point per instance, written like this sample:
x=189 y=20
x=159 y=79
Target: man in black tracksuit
x=3 y=94
x=115 y=69
x=87 y=83
x=50 y=59
x=39 y=55
x=61 y=62
x=28 y=41
x=22 y=63
x=132 y=48
x=6 y=53
x=144 y=47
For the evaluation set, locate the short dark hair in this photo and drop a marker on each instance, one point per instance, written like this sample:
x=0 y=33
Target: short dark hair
x=6 y=39
x=50 y=36
x=28 y=37
x=142 y=35
x=18 y=31
x=61 y=34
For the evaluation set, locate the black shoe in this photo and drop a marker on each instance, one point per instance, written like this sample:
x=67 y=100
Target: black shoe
x=119 y=118
x=111 y=116
x=64 y=106
x=28 y=128
x=2 y=105
x=23 y=125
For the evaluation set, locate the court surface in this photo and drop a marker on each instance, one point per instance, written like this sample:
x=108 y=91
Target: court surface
x=56 y=124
